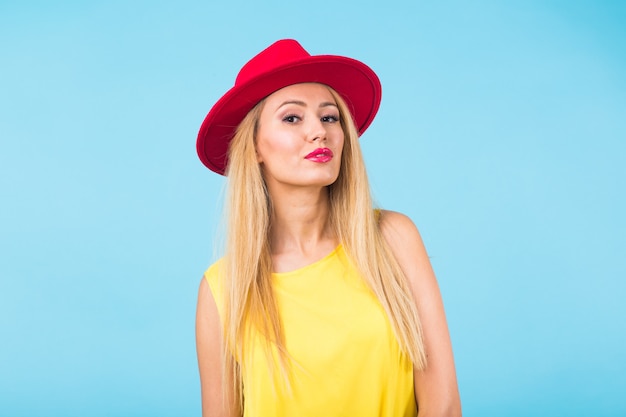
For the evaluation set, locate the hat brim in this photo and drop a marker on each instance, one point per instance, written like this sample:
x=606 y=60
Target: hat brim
x=357 y=84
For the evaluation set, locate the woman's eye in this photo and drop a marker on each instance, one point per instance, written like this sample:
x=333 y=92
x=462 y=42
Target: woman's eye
x=291 y=118
x=330 y=119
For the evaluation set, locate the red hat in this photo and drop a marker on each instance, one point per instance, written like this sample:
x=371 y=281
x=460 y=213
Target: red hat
x=282 y=64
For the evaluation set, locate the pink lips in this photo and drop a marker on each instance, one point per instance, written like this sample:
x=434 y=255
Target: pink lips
x=320 y=155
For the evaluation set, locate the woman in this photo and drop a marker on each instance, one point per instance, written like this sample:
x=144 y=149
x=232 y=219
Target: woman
x=321 y=305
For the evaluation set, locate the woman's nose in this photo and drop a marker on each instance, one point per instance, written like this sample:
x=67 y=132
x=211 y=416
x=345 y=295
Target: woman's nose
x=317 y=131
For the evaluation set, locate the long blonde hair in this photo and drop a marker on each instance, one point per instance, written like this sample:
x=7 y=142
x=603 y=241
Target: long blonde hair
x=249 y=300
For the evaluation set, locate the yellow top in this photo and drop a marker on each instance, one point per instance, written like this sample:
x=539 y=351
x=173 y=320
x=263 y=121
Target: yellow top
x=345 y=358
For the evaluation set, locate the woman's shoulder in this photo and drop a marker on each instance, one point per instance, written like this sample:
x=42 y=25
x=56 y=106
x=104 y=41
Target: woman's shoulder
x=404 y=240
x=214 y=274
x=395 y=225
x=212 y=283
x=215 y=267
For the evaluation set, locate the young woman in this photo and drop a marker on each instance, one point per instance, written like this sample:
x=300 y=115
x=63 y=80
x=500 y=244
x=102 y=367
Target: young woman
x=321 y=305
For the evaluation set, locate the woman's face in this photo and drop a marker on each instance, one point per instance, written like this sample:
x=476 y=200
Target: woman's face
x=300 y=138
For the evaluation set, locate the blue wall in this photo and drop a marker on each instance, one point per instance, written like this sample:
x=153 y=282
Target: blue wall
x=502 y=134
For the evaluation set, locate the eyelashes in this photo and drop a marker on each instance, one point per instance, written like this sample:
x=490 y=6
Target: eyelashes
x=294 y=118
x=291 y=118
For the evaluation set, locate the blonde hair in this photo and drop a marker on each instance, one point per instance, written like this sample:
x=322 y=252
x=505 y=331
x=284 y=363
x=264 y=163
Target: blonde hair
x=249 y=300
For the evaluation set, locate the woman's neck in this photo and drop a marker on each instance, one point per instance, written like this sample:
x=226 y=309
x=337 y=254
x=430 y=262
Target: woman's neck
x=300 y=224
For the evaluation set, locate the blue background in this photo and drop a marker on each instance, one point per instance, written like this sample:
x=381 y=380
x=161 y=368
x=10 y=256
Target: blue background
x=501 y=133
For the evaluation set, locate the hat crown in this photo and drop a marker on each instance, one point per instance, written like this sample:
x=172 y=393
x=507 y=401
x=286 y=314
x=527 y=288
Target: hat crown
x=274 y=56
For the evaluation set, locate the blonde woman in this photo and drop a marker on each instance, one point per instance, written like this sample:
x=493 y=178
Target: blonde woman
x=321 y=305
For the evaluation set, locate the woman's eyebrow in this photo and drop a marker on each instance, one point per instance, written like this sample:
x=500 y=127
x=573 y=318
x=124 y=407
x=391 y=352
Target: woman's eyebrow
x=296 y=102
x=303 y=104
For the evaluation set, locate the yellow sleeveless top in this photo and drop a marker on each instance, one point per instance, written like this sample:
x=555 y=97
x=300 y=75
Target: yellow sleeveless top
x=345 y=358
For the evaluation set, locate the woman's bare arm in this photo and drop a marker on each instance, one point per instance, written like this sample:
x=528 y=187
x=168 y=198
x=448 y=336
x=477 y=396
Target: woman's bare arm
x=215 y=403
x=436 y=388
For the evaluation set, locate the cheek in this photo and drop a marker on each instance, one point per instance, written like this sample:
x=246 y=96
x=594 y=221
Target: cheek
x=340 y=142
x=274 y=148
